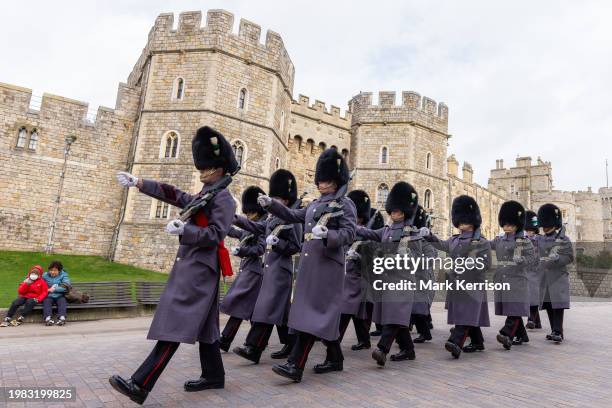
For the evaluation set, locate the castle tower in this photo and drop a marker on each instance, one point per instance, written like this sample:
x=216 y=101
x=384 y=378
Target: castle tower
x=523 y=181
x=407 y=141
x=203 y=75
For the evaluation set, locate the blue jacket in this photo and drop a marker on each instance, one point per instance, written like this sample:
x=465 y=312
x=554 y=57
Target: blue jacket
x=61 y=277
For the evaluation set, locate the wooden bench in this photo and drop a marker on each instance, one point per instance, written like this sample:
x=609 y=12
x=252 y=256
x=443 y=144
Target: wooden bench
x=103 y=294
x=148 y=293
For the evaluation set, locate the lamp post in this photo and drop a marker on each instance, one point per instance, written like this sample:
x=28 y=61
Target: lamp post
x=69 y=140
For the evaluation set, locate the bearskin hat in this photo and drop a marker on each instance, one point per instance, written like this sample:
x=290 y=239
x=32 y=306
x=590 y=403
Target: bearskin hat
x=362 y=204
x=402 y=197
x=531 y=221
x=422 y=218
x=549 y=216
x=331 y=166
x=465 y=210
x=211 y=149
x=379 y=220
x=513 y=213
x=249 y=200
x=283 y=185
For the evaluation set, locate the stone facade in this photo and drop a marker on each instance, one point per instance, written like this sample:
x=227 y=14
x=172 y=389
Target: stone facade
x=204 y=74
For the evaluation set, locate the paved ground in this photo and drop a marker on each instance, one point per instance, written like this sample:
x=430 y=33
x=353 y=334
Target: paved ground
x=540 y=374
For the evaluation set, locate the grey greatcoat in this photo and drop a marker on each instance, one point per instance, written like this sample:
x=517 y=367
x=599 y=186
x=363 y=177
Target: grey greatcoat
x=188 y=310
x=317 y=300
x=466 y=307
x=240 y=299
x=533 y=274
x=274 y=300
x=554 y=283
x=393 y=308
x=515 y=301
x=352 y=293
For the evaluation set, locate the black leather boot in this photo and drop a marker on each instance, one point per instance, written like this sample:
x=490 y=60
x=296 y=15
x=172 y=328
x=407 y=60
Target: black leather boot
x=403 y=355
x=328 y=366
x=129 y=388
x=453 y=348
x=204 y=384
x=530 y=324
x=249 y=352
x=472 y=348
x=224 y=343
x=504 y=341
x=288 y=370
x=380 y=357
x=421 y=339
x=282 y=353
x=375 y=333
x=556 y=337
x=361 y=346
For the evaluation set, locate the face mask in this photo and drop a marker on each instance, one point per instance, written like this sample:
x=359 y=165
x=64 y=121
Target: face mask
x=33 y=276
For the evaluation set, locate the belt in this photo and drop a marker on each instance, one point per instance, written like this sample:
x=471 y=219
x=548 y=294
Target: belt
x=506 y=263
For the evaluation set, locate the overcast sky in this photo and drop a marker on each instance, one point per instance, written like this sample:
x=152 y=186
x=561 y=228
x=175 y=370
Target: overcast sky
x=520 y=78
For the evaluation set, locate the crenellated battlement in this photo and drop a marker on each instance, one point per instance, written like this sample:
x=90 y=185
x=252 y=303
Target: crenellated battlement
x=413 y=108
x=55 y=106
x=318 y=111
x=216 y=35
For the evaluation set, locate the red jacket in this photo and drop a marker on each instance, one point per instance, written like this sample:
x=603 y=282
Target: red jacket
x=35 y=290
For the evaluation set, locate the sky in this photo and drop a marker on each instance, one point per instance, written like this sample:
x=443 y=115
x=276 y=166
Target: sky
x=521 y=78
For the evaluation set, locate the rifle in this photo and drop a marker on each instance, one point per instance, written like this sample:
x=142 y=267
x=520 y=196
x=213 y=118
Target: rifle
x=357 y=243
x=277 y=225
x=200 y=202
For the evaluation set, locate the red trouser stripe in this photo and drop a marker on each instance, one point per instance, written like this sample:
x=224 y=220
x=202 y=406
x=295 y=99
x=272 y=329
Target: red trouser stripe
x=514 y=327
x=159 y=363
x=305 y=354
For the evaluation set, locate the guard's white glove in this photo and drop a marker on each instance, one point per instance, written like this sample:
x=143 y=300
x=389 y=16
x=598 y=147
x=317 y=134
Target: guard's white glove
x=235 y=250
x=319 y=232
x=424 y=232
x=518 y=259
x=554 y=257
x=126 y=179
x=175 y=227
x=272 y=240
x=264 y=200
x=501 y=234
x=351 y=253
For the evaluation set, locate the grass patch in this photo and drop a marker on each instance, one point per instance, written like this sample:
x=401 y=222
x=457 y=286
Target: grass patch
x=14 y=267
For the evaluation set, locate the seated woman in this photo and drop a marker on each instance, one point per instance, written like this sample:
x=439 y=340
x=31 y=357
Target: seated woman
x=57 y=279
x=31 y=292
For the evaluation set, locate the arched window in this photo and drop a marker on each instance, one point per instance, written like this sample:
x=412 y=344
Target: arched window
x=239 y=151
x=242 y=99
x=345 y=154
x=170 y=143
x=322 y=146
x=381 y=193
x=21 y=137
x=282 y=122
x=179 y=88
x=33 y=140
x=428 y=161
x=277 y=164
x=427 y=199
x=334 y=147
x=384 y=155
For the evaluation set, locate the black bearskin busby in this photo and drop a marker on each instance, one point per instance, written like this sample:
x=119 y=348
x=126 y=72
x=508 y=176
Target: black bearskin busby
x=402 y=197
x=465 y=210
x=422 y=218
x=249 y=200
x=283 y=185
x=379 y=220
x=362 y=204
x=211 y=149
x=331 y=166
x=513 y=213
x=549 y=216
x=531 y=221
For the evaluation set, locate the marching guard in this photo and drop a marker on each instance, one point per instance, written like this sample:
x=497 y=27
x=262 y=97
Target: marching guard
x=515 y=256
x=239 y=302
x=188 y=308
x=532 y=231
x=556 y=252
x=329 y=224
x=467 y=309
x=274 y=300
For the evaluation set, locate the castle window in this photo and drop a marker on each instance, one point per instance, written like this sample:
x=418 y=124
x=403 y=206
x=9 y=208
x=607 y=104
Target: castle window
x=242 y=99
x=334 y=147
x=239 y=151
x=170 y=144
x=277 y=163
x=384 y=155
x=33 y=140
x=427 y=199
x=179 y=88
x=381 y=193
x=345 y=154
x=322 y=146
x=161 y=210
x=282 y=122
x=428 y=161
x=21 y=137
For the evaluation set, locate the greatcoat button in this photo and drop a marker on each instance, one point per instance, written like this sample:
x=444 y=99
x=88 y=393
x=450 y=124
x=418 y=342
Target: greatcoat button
x=178 y=259
x=267 y=265
x=306 y=254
